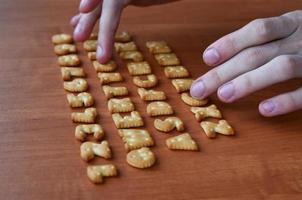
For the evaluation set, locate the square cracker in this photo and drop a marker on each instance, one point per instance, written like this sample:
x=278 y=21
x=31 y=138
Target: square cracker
x=139 y=68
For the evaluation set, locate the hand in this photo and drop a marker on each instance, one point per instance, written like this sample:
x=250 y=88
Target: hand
x=109 y=12
x=262 y=53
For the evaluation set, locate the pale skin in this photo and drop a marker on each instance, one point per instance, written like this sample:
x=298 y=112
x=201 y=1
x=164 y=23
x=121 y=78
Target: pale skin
x=262 y=53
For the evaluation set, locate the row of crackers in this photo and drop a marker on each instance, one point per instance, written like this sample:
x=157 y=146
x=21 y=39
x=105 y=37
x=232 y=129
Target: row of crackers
x=144 y=79
x=78 y=97
x=127 y=120
x=179 y=76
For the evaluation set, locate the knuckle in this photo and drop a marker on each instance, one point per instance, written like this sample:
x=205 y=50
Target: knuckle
x=262 y=28
x=286 y=66
x=216 y=76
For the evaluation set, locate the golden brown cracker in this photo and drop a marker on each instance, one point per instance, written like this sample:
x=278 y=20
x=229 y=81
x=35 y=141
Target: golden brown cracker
x=135 y=138
x=96 y=173
x=157 y=47
x=122 y=47
x=107 y=67
x=151 y=95
x=70 y=60
x=120 y=105
x=182 y=142
x=150 y=82
x=114 y=91
x=167 y=59
x=176 y=72
x=139 y=68
x=189 y=100
x=134 y=56
x=92 y=55
x=110 y=77
x=169 y=124
x=91 y=149
x=88 y=116
x=158 y=108
x=129 y=121
x=83 y=99
x=182 y=85
x=62 y=38
x=205 y=112
x=70 y=72
x=90 y=45
x=122 y=37
x=83 y=130
x=63 y=49
x=222 y=127
x=141 y=158
x=76 y=85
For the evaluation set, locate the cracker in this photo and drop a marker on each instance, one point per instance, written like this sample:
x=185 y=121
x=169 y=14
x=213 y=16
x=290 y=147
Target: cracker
x=120 y=105
x=141 y=158
x=159 y=108
x=70 y=60
x=83 y=130
x=90 y=149
x=83 y=99
x=114 y=91
x=189 y=100
x=167 y=59
x=69 y=72
x=176 y=72
x=90 y=45
x=134 y=56
x=157 y=47
x=88 y=116
x=107 y=67
x=205 y=112
x=182 y=142
x=151 y=81
x=76 y=85
x=129 y=121
x=63 y=49
x=151 y=95
x=222 y=127
x=62 y=39
x=169 y=124
x=182 y=85
x=111 y=77
x=96 y=173
x=92 y=55
x=122 y=37
x=135 y=138
x=139 y=68
x=121 y=47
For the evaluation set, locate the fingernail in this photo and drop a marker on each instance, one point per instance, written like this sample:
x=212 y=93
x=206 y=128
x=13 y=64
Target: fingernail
x=99 y=52
x=197 y=89
x=227 y=91
x=83 y=3
x=268 y=106
x=211 y=56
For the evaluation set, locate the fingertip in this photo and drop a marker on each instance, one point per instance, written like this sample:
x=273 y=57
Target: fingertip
x=211 y=56
x=267 y=108
x=198 y=90
x=102 y=55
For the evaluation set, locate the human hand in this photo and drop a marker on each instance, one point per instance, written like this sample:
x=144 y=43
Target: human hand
x=109 y=12
x=262 y=53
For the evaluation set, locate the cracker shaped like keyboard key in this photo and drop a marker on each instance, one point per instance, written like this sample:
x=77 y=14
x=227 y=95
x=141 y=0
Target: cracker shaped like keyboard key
x=96 y=173
x=88 y=116
x=76 y=85
x=91 y=149
x=83 y=130
x=139 y=68
x=167 y=59
x=129 y=121
x=122 y=47
x=222 y=127
x=120 y=105
x=70 y=72
x=158 y=47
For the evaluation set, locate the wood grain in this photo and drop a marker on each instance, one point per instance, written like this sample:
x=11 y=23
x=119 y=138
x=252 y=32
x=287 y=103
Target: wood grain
x=39 y=157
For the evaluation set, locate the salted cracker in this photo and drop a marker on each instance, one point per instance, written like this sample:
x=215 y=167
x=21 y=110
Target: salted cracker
x=176 y=72
x=150 y=81
x=83 y=130
x=182 y=85
x=158 y=108
x=189 y=100
x=120 y=105
x=63 y=49
x=222 y=127
x=141 y=158
x=76 y=85
x=134 y=56
x=110 y=77
x=62 y=38
x=139 y=68
x=182 y=142
x=156 y=47
x=151 y=95
x=107 y=67
x=70 y=60
x=135 y=138
x=83 y=99
x=167 y=59
x=91 y=149
x=129 y=121
x=169 y=124
x=110 y=91
x=70 y=72
x=206 y=112
x=96 y=173
x=88 y=116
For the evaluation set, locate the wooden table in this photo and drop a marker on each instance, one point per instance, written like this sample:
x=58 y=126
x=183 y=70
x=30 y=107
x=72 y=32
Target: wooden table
x=40 y=157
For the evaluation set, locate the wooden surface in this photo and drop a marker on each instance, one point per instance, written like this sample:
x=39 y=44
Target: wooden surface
x=39 y=157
